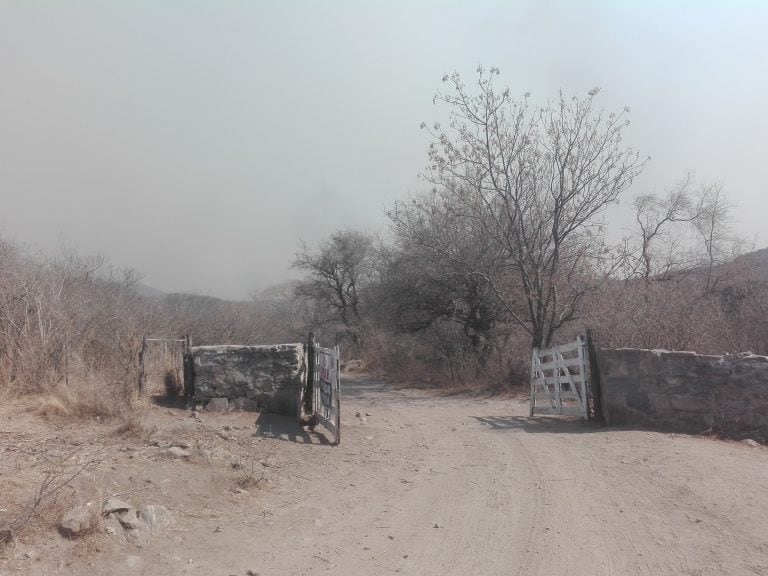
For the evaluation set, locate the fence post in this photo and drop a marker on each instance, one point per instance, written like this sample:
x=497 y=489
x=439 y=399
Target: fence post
x=558 y=383
x=142 y=352
x=338 y=396
x=66 y=361
x=594 y=378
x=309 y=391
x=189 y=381
x=533 y=380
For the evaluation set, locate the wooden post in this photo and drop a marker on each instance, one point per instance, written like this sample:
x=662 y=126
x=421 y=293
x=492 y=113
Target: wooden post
x=556 y=362
x=584 y=371
x=533 y=380
x=337 y=386
x=594 y=378
x=309 y=391
x=66 y=361
x=189 y=380
x=142 y=352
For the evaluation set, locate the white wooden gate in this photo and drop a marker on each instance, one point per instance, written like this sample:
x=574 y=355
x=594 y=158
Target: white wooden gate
x=559 y=379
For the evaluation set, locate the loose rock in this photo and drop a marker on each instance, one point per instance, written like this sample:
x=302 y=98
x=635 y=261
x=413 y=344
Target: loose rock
x=114 y=505
x=129 y=520
x=175 y=452
x=182 y=427
x=201 y=455
x=217 y=405
x=77 y=521
x=155 y=517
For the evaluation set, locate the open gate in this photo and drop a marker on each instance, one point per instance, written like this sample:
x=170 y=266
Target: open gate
x=560 y=379
x=322 y=399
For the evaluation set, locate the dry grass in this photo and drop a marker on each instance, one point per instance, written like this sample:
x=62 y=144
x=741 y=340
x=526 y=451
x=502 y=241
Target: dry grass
x=55 y=489
x=50 y=407
x=93 y=398
x=252 y=468
x=88 y=401
x=46 y=481
x=135 y=424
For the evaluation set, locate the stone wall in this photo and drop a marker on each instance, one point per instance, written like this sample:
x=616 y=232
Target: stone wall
x=248 y=377
x=685 y=391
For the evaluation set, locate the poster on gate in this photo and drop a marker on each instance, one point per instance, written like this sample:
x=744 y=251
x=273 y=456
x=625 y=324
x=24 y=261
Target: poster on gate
x=327 y=401
x=327 y=375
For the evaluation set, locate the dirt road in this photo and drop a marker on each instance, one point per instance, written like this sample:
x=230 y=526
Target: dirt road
x=425 y=485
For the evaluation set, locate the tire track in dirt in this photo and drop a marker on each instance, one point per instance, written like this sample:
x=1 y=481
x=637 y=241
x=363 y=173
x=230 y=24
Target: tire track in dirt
x=509 y=494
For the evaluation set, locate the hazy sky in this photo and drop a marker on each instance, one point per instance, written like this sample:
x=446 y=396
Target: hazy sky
x=199 y=141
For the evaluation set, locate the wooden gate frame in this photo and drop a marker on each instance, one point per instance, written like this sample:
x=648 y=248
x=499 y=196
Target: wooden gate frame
x=185 y=350
x=564 y=383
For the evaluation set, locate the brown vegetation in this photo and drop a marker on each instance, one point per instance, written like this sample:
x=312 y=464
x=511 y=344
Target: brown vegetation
x=507 y=251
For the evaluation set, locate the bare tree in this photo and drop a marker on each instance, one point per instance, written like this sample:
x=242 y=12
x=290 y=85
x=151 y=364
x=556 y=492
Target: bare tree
x=534 y=183
x=660 y=251
x=712 y=224
x=687 y=230
x=422 y=286
x=337 y=270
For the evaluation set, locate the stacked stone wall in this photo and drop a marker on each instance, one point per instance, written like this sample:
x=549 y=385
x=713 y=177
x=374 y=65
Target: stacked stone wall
x=685 y=391
x=248 y=377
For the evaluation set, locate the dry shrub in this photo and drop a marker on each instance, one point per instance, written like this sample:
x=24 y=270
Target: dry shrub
x=95 y=398
x=66 y=318
x=54 y=491
x=173 y=387
x=50 y=406
x=252 y=467
x=92 y=399
x=353 y=366
x=443 y=359
x=133 y=424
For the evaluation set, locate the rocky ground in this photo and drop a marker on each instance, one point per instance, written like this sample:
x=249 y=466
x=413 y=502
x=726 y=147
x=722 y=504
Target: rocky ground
x=421 y=484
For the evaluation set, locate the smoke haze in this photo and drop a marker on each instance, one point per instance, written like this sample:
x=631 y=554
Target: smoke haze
x=199 y=141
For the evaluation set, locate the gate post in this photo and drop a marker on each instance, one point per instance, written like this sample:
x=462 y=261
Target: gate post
x=555 y=350
x=309 y=390
x=533 y=379
x=188 y=364
x=337 y=386
x=142 y=352
x=594 y=378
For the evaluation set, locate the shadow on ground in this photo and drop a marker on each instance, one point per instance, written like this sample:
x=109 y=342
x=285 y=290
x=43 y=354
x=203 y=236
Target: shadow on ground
x=548 y=424
x=176 y=402
x=364 y=388
x=287 y=429
x=360 y=387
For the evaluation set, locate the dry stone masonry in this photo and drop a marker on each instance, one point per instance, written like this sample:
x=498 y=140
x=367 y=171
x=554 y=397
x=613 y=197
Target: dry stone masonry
x=685 y=391
x=248 y=377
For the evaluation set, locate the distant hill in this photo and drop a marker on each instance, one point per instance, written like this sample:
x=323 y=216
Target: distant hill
x=148 y=291
x=756 y=261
